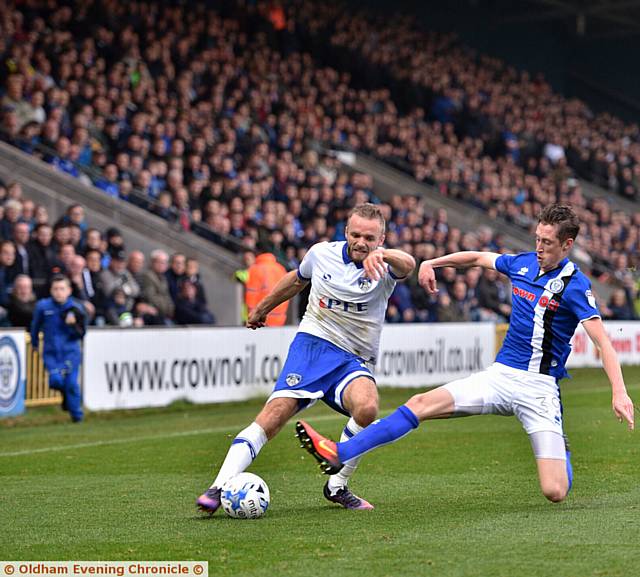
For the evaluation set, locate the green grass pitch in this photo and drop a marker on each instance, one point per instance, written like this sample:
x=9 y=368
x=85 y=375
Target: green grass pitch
x=455 y=498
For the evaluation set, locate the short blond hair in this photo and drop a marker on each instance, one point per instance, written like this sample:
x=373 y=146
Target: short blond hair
x=369 y=211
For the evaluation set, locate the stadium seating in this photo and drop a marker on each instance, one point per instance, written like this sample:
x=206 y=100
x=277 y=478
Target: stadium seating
x=215 y=134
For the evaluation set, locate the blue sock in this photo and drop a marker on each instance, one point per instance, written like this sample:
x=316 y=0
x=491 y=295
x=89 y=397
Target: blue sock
x=379 y=433
x=569 y=471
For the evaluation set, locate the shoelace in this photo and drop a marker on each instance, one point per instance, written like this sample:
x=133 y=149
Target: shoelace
x=348 y=497
x=212 y=493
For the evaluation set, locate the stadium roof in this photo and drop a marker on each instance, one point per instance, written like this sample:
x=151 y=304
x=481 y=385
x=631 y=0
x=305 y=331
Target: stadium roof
x=592 y=18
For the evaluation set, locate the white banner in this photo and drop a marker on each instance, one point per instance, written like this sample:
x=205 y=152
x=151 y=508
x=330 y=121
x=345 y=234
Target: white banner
x=129 y=368
x=426 y=354
x=625 y=337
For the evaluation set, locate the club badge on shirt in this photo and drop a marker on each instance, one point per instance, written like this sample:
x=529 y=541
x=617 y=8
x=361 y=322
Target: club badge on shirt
x=556 y=286
x=293 y=379
x=364 y=283
x=590 y=298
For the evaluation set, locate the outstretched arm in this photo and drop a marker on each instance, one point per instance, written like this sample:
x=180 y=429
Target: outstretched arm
x=464 y=259
x=401 y=263
x=622 y=404
x=288 y=286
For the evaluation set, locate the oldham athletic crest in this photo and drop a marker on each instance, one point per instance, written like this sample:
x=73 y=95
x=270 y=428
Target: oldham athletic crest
x=293 y=379
x=364 y=283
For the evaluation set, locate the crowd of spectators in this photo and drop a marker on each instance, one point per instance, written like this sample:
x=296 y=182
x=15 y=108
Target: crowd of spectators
x=116 y=288
x=481 y=131
x=210 y=115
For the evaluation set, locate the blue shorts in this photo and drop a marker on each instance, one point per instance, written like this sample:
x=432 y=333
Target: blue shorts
x=317 y=369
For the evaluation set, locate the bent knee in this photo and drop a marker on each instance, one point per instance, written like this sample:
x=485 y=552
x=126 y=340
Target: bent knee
x=555 y=492
x=418 y=400
x=433 y=404
x=365 y=415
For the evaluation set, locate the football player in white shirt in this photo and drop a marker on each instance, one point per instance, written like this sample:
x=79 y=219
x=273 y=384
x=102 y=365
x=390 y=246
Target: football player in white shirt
x=337 y=341
x=550 y=298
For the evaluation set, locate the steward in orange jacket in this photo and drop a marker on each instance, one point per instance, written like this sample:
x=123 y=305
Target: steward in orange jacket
x=263 y=275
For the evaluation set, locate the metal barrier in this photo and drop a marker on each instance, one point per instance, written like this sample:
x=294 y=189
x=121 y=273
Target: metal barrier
x=38 y=392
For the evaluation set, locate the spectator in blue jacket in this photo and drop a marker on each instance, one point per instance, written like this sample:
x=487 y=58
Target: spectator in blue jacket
x=62 y=321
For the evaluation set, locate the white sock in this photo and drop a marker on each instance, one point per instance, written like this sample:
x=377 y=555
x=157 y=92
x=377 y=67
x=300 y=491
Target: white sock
x=341 y=479
x=242 y=452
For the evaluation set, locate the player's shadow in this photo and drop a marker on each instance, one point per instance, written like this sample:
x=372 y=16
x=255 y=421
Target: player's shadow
x=289 y=512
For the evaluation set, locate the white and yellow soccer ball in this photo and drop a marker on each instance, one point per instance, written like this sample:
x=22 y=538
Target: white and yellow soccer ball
x=245 y=496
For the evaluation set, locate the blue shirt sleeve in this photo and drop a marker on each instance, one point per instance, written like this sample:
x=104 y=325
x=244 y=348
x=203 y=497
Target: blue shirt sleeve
x=504 y=263
x=582 y=301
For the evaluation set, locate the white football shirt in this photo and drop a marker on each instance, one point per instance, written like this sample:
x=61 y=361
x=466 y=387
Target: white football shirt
x=345 y=307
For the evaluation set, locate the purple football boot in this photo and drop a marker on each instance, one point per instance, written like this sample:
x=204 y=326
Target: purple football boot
x=346 y=498
x=209 y=501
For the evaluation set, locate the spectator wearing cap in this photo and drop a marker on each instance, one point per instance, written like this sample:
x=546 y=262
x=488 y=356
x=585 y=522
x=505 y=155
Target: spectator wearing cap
x=116 y=276
x=155 y=289
x=41 y=257
x=115 y=240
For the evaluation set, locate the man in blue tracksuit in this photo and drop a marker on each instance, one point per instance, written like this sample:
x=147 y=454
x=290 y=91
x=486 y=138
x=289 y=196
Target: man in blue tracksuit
x=62 y=320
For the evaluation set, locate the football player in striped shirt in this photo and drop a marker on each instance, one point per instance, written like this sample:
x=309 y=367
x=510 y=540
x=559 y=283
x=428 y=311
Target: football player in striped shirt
x=551 y=296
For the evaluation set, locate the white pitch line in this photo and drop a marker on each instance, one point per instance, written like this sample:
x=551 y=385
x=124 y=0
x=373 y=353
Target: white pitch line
x=179 y=434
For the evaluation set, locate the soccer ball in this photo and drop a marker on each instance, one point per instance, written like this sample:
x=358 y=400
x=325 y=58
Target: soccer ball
x=245 y=496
